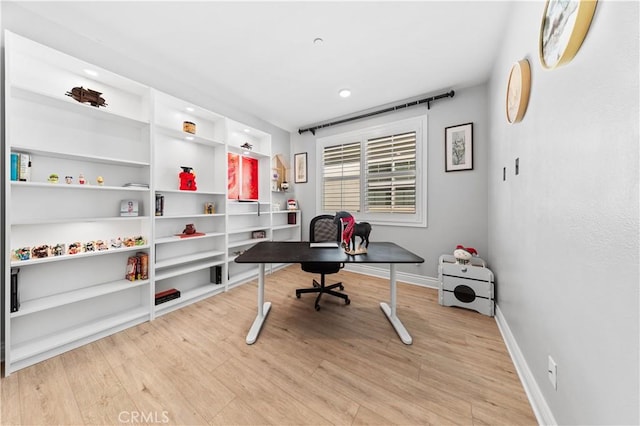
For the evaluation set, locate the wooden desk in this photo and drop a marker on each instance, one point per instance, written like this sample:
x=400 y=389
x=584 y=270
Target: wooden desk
x=299 y=251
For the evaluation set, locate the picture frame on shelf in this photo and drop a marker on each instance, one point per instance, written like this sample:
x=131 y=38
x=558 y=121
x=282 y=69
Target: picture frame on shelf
x=258 y=234
x=458 y=147
x=300 y=163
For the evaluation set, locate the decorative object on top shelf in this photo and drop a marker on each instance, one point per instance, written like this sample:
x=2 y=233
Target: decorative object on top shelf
x=53 y=178
x=459 y=147
x=242 y=175
x=209 y=208
x=68 y=179
x=300 y=162
x=89 y=96
x=564 y=27
x=518 y=89
x=246 y=147
x=292 y=204
x=189 y=127
x=100 y=180
x=187 y=179
x=351 y=230
x=464 y=254
x=81 y=179
x=280 y=170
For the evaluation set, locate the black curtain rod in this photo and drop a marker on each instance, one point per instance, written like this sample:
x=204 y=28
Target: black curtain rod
x=382 y=111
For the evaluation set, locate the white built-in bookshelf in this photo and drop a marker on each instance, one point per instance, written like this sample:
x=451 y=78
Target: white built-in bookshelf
x=70 y=296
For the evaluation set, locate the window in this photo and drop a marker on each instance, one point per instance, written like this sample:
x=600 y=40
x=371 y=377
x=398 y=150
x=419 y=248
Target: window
x=375 y=174
x=391 y=174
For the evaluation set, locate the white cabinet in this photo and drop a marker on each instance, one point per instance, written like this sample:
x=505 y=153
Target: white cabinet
x=72 y=287
x=187 y=262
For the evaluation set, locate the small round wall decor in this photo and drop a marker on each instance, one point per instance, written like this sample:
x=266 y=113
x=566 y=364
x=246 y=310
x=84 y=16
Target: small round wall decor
x=518 y=90
x=565 y=24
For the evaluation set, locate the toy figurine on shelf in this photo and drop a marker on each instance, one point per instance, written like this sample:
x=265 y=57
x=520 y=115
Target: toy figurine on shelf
x=187 y=179
x=190 y=229
x=81 y=179
x=89 y=96
x=100 y=180
x=292 y=204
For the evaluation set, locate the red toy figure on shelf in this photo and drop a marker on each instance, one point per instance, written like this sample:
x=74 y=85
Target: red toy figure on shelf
x=187 y=179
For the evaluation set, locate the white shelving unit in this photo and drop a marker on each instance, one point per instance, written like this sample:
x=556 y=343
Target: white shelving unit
x=248 y=220
x=71 y=299
x=185 y=263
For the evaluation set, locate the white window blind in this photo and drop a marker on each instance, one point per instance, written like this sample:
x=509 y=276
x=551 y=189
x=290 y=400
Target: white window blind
x=391 y=174
x=341 y=177
x=377 y=173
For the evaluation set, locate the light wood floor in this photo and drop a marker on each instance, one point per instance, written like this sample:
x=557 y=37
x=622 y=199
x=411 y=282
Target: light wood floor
x=343 y=365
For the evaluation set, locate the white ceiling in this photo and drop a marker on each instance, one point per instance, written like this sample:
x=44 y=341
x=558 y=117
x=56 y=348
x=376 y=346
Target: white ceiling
x=260 y=56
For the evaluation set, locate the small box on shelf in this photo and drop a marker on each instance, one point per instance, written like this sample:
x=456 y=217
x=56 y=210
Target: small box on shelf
x=166 y=295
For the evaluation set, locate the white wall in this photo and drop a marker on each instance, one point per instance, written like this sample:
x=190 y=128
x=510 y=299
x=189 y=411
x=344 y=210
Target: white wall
x=456 y=201
x=563 y=236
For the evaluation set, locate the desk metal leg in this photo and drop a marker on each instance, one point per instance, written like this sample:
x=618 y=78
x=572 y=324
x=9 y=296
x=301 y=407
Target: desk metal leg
x=390 y=311
x=263 y=310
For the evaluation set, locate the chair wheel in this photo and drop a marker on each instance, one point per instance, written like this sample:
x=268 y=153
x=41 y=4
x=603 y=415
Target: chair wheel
x=341 y=287
x=317 y=307
x=347 y=301
x=298 y=295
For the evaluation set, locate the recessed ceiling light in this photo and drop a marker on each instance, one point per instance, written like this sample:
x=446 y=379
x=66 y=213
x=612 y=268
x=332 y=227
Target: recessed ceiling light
x=318 y=41
x=247 y=131
x=190 y=109
x=189 y=138
x=344 y=93
x=92 y=73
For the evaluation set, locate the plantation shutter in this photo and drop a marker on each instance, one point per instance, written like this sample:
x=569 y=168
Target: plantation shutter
x=341 y=177
x=391 y=174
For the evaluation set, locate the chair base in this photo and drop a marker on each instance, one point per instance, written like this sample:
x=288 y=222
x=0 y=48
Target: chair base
x=320 y=288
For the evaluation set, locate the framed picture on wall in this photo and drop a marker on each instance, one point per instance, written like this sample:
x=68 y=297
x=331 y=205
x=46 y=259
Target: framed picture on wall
x=458 y=147
x=300 y=162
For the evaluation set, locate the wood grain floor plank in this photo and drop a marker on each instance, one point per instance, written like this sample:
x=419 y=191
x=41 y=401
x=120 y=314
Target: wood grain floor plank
x=10 y=401
x=342 y=365
x=46 y=395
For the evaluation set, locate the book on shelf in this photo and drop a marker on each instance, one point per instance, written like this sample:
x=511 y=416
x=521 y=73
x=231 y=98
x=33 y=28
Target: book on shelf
x=166 y=295
x=138 y=267
x=15 y=295
x=24 y=170
x=15 y=166
x=216 y=274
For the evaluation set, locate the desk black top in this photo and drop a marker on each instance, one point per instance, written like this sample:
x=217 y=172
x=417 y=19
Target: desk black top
x=299 y=251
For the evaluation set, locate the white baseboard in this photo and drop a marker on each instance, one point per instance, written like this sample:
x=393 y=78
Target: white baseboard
x=415 y=279
x=541 y=409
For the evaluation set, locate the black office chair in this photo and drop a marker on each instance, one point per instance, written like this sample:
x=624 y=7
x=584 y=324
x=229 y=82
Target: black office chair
x=322 y=228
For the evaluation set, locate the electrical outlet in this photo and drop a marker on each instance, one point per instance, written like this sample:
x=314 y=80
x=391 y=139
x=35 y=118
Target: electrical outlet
x=552 y=371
